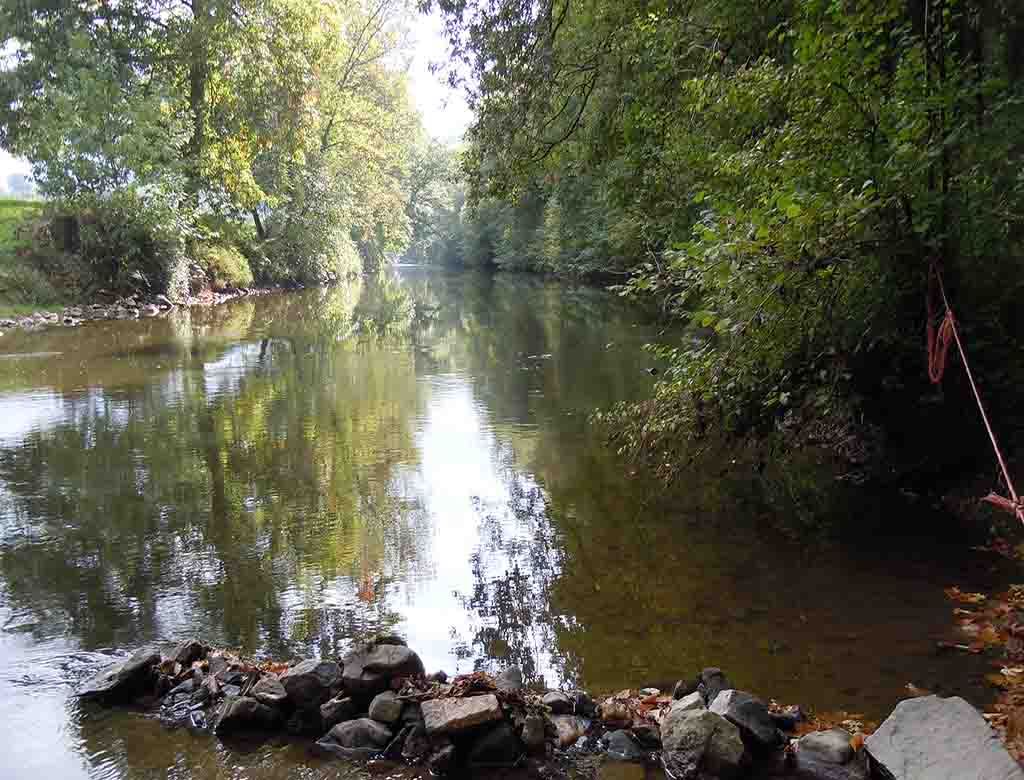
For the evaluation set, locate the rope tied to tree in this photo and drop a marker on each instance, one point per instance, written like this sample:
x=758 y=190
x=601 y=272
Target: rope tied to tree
x=942 y=332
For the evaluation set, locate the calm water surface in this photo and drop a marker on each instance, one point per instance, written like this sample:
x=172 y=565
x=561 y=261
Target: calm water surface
x=284 y=475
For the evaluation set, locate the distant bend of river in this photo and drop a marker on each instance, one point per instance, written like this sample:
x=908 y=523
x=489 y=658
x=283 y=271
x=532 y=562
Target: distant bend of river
x=286 y=474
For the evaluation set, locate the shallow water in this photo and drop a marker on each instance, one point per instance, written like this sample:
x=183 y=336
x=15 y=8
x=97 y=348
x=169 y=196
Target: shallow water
x=286 y=474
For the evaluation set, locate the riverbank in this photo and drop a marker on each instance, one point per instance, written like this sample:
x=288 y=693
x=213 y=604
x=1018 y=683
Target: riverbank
x=132 y=307
x=378 y=704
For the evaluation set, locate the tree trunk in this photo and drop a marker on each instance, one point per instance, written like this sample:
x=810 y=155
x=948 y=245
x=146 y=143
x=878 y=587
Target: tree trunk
x=261 y=232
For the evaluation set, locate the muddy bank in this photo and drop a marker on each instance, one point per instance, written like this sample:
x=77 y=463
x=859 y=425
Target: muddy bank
x=379 y=704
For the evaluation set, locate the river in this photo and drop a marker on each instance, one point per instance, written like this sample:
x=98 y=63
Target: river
x=288 y=473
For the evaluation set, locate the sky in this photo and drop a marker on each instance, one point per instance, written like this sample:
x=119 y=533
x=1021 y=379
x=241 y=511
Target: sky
x=445 y=113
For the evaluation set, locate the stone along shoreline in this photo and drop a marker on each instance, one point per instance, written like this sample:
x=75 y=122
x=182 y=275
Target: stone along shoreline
x=378 y=703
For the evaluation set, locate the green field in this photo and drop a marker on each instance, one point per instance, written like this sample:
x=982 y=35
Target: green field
x=24 y=287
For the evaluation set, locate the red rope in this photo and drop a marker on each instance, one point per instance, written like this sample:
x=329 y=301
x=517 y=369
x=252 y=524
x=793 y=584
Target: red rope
x=939 y=340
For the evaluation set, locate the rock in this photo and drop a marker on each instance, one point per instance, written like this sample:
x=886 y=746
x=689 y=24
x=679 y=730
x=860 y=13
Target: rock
x=185 y=688
x=269 y=690
x=439 y=676
x=451 y=716
x=442 y=760
x=798 y=766
x=416 y=746
x=648 y=736
x=557 y=702
x=568 y=729
x=510 y=679
x=337 y=710
x=584 y=705
x=368 y=670
x=124 y=679
x=752 y=717
x=614 y=710
x=533 y=735
x=386 y=707
x=217 y=664
x=684 y=688
x=360 y=738
x=621 y=746
x=693 y=701
x=929 y=738
x=712 y=682
x=311 y=683
x=244 y=713
x=699 y=743
x=393 y=751
x=648 y=692
x=498 y=747
x=830 y=747
x=188 y=651
x=412 y=714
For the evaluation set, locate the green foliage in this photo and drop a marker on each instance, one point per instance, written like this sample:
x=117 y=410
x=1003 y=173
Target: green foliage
x=286 y=112
x=225 y=265
x=776 y=176
x=136 y=242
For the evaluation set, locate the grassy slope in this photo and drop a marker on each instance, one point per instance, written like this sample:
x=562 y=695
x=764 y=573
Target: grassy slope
x=23 y=287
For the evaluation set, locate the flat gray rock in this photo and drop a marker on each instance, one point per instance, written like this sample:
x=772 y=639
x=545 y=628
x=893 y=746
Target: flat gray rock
x=929 y=738
x=451 y=716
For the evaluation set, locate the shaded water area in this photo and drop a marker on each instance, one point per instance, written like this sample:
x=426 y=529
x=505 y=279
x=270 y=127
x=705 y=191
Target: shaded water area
x=286 y=474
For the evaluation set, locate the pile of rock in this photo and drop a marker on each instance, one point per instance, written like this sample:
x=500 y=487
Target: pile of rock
x=377 y=702
x=130 y=308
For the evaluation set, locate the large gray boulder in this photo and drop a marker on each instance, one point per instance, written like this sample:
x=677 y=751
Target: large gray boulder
x=751 y=716
x=362 y=738
x=310 y=683
x=245 y=714
x=368 y=670
x=123 y=680
x=929 y=738
x=452 y=716
x=698 y=744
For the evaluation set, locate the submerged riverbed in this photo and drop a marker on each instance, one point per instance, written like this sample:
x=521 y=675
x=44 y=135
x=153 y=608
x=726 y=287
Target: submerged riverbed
x=286 y=474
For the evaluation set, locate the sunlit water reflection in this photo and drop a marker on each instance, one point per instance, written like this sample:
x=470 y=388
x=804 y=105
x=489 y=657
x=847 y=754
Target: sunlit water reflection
x=286 y=474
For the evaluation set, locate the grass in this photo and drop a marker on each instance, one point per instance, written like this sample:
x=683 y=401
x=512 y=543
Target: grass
x=24 y=287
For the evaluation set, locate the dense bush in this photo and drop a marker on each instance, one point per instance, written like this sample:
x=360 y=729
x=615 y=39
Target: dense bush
x=135 y=242
x=225 y=265
x=779 y=174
